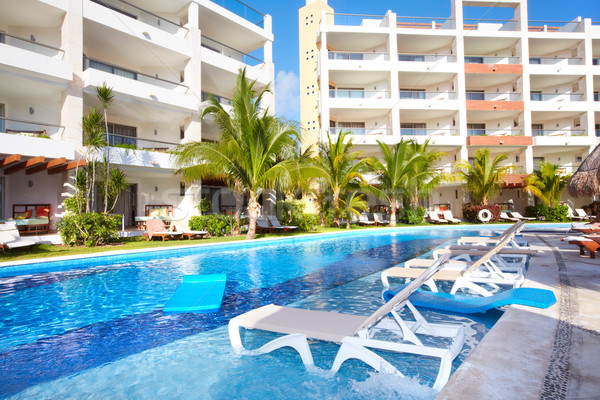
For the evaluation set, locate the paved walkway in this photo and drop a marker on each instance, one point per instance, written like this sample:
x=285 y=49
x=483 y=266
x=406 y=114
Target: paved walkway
x=541 y=354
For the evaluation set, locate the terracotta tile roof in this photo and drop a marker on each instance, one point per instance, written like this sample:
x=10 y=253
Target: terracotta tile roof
x=510 y=181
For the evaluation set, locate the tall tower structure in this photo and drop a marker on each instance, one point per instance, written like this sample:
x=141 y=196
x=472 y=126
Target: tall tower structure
x=309 y=18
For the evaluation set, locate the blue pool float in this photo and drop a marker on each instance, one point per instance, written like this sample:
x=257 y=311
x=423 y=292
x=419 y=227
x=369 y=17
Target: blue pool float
x=540 y=298
x=198 y=293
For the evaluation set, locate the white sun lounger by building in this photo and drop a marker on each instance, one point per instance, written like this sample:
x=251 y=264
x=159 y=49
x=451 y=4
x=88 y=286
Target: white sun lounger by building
x=355 y=332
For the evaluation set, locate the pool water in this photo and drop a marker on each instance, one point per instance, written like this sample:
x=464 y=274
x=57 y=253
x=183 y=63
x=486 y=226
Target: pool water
x=94 y=328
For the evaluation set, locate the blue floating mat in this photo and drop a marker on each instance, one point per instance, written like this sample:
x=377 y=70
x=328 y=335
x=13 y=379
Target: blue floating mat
x=198 y=293
x=540 y=298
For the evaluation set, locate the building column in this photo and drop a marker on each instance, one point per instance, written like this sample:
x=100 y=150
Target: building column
x=72 y=101
x=193 y=73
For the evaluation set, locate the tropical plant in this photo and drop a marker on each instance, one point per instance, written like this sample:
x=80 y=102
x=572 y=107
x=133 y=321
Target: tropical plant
x=340 y=168
x=106 y=96
x=117 y=182
x=484 y=176
x=90 y=229
x=424 y=178
x=93 y=142
x=353 y=205
x=546 y=183
x=254 y=152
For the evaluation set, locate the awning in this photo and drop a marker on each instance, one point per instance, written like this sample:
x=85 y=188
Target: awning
x=513 y=181
x=12 y=163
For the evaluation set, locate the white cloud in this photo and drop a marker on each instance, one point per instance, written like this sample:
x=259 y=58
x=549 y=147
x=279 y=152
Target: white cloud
x=287 y=95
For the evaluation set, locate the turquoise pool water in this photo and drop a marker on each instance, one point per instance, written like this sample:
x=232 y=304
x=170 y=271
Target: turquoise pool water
x=94 y=328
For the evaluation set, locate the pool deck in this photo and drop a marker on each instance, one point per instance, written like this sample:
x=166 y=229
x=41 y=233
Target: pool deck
x=541 y=354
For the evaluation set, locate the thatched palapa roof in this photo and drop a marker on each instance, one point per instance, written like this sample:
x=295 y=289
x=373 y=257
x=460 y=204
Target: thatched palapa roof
x=586 y=181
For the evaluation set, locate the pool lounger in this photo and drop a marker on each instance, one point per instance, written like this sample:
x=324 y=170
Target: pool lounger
x=354 y=332
x=540 y=298
x=198 y=293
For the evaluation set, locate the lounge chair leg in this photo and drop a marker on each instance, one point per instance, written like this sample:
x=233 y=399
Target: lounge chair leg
x=444 y=372
x=296 y=341
x=350 y=350
x=461 y=283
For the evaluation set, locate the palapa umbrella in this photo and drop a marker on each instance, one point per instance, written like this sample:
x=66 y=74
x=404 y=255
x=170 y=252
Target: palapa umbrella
x=586 y=180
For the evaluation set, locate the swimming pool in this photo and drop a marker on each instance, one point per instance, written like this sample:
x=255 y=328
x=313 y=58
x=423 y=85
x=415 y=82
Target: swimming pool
x=94 y=327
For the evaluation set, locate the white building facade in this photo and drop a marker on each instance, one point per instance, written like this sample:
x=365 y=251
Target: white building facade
x=162 y=60
x=515 y=86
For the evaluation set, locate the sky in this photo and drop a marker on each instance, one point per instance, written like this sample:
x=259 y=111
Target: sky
x=285 y=30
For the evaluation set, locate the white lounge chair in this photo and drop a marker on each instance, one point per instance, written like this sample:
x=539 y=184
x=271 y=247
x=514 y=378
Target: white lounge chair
x=449 y=217
x=276 y=224
x=515 y=242
x=263 y=226
x=435 y=218
x=505 y=217
x=189 y=234
x=581 y=214
x=355 y=332
x=516 y=214
x=379 y=220
x=363 y=219
x=472 y=277
x=10 y=237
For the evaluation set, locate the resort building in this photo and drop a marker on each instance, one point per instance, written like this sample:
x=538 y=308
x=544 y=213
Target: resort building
x=162 y=59
x=516 y=86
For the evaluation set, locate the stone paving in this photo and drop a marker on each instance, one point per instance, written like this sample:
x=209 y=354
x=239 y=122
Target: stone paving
x=541 y=354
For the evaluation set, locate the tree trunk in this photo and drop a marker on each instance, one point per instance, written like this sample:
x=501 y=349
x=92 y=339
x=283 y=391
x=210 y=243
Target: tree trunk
x=393 y=207
x=348 y=223
x=253 y=209
x=239 y=203
x=336 y=209
x=107 y=171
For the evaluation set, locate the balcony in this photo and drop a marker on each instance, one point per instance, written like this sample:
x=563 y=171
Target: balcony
x=556 y=97
x=27 y=57
x=428 y=132
x=558 y=132
x=556 y=26
x=404 y=57
x=243 y=10
x=362 y=131
x=134 y=151
x=358 y=94
x=483 y=141
x=555 y=61
x=230 y=52
x=481 y=96
x=422 y=95
x=494 y=132
x=489 y=25
x=356 y=56
x=31 y=128
x=30 y=144
x=425 y=23
x=137 y=86
x=224 y=101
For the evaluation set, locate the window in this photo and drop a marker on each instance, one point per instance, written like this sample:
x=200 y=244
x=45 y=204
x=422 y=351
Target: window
x=413 y=129
x=536 y=95
x=596 y=96
x=355 y=128
x=346 y=56
x=473 y=60
x=537 y=129
x=350 y=93
x=122 y=135
x=2 y=116
x=112 y=69
x=475 y=129
x=535 y=60
x=537 y=161
x=597 y=129
x=411 y=57
x=415 y=94
x=475 y=95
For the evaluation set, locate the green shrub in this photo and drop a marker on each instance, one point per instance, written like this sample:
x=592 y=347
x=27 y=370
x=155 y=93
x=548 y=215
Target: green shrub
x=471 y=211
x=214 y=224
x=292 y=213
x=90 y=229
x=555 y=214
x=205 y=205
x=414 y=216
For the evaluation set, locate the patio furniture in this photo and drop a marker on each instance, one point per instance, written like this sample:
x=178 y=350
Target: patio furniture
x=364 y=220
x=262 y=225
x=505 y=217
x=517 y=227
x=188 y=234
x=32 y=219
x=10 y=238
x=276 y=224
x=155 y=211
x=379 y=220
x=449 y=217
x=356 y=333
x=584 y=243
x=517 y=215
x=434 y=218
x=587 y=228
x=158 y=228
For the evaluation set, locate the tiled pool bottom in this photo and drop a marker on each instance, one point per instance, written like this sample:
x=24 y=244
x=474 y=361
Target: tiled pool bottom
x=141 y=353
x=202 y=366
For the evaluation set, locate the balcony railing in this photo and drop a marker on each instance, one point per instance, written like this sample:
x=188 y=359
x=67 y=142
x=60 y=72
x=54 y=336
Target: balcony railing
x=358 y=94
x=493 y=96
x=357 y=56
x=243 y=10
x=222 y=100
x=473 y=24
x=361 y=131
x=558 y=132
x=31 y=45
x=30 y=128
x=491 y=60
x=145 y=16
x=134 y=75
x=427 y=132
x=135 y=143
x=419 y=95
x=426 y=57
x=556 y=96
x=356 y=19
x=230 y=52
x=555 y=60
x=494 y=132
x=555 y=26
x=425 y=23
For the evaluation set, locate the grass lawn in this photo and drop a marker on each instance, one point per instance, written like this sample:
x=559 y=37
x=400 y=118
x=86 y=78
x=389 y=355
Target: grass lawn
x=47 y=250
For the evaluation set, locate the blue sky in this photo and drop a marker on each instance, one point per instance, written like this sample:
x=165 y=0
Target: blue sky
x=285 y=29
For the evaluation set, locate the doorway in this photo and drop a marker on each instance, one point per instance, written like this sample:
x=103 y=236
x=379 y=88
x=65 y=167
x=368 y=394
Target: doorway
x=127 y=205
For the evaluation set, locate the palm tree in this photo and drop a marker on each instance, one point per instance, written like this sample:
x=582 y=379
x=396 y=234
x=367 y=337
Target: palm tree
x=93 y=142
x=106 y=97
x=546 y=183
x=484 y=176
x=395 y=173
x=352 y=206
x=340 y=168
x=425 y=178
x=254 y=152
